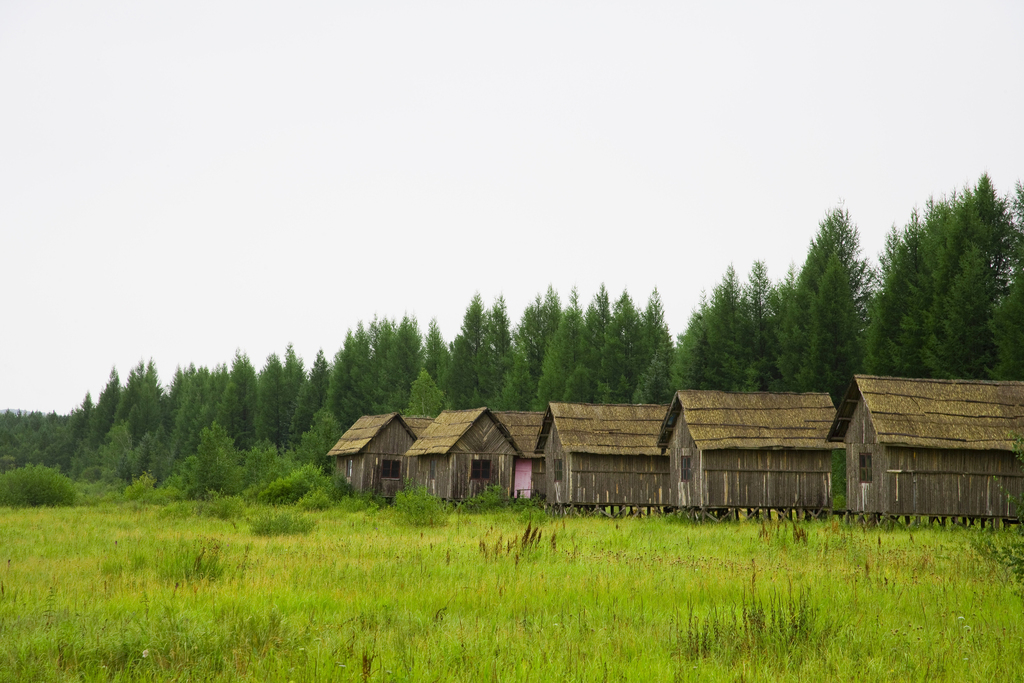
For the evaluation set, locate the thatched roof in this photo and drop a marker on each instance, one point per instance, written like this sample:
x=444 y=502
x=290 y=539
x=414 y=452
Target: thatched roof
x=755 y=420
x=604 y=429
x=936 y=413
x=524 y=426
x=417 y=423
x=447 y=428
x=353 y=441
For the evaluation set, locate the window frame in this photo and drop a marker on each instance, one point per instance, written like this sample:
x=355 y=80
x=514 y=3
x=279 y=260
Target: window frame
x=478 y=468
x=388 y=467
x=686 y=468
x=349 y=467
x=865 y=468
x=559 y=470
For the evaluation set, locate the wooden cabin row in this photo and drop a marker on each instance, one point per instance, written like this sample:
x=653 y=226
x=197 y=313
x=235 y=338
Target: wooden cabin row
x=939 y=448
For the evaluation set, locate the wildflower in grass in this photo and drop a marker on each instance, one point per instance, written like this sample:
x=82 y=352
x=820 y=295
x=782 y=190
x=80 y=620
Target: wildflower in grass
x=145 y=653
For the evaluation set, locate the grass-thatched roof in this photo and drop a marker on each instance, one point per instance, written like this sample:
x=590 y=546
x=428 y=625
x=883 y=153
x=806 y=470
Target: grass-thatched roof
x=353 y=441
x=524 y=426
x=604 y=429
x=417 y=423
x=754 y=420
x=446 y=429
x=936 y=413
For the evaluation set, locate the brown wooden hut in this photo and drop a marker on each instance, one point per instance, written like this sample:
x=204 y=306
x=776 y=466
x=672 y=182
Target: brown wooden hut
x=604 y=455
x=461 y=453
x=931 y=447
x=370 y=454
x=734 y=451
x=528 y=470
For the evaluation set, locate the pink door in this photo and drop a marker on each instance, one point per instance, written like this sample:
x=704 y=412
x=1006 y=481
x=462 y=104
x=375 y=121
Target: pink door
x=524 y=472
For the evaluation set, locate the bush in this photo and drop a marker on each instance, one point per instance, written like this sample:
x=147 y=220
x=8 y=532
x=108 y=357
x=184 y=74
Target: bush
x=492 y=498
x=419 y=508
x=317 y=499
x=36 y=485
x=288 y=490
x=280 y=523
x=221 y=507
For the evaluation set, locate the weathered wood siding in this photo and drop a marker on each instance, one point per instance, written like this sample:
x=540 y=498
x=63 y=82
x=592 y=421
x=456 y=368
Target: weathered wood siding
x=685 y=493
x=620 y=479
x=441 y=484
x=483 y=441
x=558 y=491
x=390 y=443
x=940 y=482
x=539 y=478
x=861 y=438
x=787 y=478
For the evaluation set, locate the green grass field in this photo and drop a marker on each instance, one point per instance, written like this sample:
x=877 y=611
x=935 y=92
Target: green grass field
x=143 y=593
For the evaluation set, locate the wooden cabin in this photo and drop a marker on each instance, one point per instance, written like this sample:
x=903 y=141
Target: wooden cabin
x=461 y=453
x=370 y=454
x=931 y=447
x=528 y=470
x=604 y=455
x=733 y=451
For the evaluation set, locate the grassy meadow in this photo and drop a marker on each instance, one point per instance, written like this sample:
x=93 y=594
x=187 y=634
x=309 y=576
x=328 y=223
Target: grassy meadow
x=120 y=592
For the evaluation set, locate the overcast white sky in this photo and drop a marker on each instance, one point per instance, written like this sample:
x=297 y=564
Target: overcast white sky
x=181 y=179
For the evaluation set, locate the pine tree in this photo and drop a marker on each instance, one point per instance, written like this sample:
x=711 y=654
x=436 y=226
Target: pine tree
x=237 y=413
x=106 y=410
x=689 y=362
x=833 y=350
x=436 y=354
x=312 y=396
x=464 y=389
x=622 y=353
x=140 y=405
x=351 y=378
x=294 y=379
x=495 y=358
x=727 y=349
x=425 y=398
x=270 y=403
x=565 y=375
x=758 y=304
x=966 y=348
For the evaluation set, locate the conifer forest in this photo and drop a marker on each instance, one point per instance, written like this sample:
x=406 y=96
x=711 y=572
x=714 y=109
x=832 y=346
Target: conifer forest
x=944 y=299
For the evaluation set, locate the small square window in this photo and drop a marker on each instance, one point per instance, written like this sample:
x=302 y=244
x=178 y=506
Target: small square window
x=538 y=465
x=480 y=469
x=685 y=466
x=391 y=469
x=865 y=467
x=433 y=469
x=558 y=469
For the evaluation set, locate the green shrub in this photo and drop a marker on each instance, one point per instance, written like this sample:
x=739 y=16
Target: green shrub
x=418 y=508
x=288 y=490
x=222 y=507
x=36 y=485
x=271 y=523
x=191 y=560
x=492 y=498
x=317 y=499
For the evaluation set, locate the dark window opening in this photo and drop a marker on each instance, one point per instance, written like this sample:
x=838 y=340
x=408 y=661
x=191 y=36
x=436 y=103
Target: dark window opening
x=391 y=469
x=558 y=469
x=865 y=467
x=480 y=469
x=433 y=469
x=538 y=465
x=687 y=472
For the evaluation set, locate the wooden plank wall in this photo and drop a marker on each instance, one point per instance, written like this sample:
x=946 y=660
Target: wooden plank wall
x=685 y=493
x=620 y=479
x=861 y=438
x=558 y=491
x=483 y=441
x=940 y=482
x=391 y=443
x=767 y=478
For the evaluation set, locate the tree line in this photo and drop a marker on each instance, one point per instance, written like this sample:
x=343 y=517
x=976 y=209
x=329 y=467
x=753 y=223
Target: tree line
x=946 y=300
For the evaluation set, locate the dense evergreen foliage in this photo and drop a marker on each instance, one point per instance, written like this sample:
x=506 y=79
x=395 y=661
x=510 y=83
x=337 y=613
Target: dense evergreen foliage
x=947 y=300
